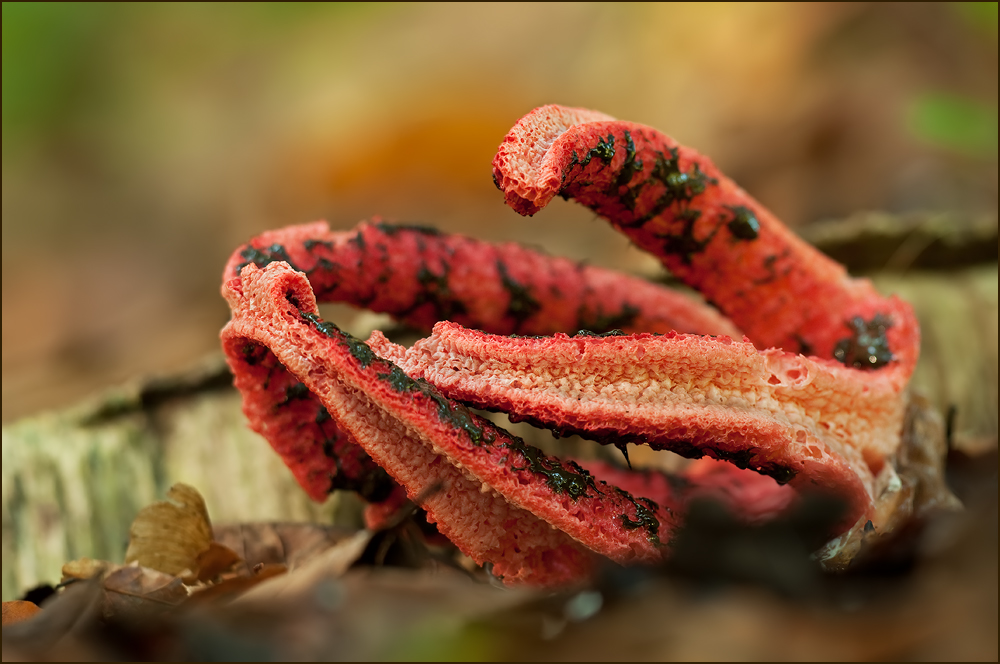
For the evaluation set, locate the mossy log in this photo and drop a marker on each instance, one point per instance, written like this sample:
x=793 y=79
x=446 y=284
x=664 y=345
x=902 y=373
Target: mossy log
x=74 y=480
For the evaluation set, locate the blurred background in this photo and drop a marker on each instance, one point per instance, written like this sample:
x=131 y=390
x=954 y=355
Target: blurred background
x=143 y=143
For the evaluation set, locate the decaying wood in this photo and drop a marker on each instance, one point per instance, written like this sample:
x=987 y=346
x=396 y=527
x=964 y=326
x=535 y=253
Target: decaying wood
x=879 y=241
x=74 y=480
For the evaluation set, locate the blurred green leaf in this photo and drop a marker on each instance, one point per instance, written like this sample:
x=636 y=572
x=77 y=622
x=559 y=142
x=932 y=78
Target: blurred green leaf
x=48 y=53
x=295 y=12
x=443 y=639
x=62 y=60
x=954 y=122
x=981 y=15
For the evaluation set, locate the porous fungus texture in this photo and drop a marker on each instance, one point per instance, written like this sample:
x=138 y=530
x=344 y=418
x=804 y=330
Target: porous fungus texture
x=787 y=417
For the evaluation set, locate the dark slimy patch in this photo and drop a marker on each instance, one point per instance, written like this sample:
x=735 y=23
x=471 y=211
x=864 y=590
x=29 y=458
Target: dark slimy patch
x=569 y=479
x=609 y=333
x=295 y=392
x=359 y=350
x=685 y=448
x=262 y=257
x=254 y=354
x=574 y=161
x=867 y=347
x=370 y=481
x=459 y=416
x=522 y=304
x=436 y=292
x=452 y=412
x=374 y=486
x=398 y=380
x=312 y=244
x=322 y=416
x=359 y=240
x=630 y=167
x=739 y=458
x=780 y=474
x=804 y=346
x=326 y=329
x=393 y=229
x=324 y=265
x=604 y=150
x=624 y=318
x=684 y=244
x=770 y=264
x=645 y=516
x=353 y=469
x=623 y=448
x=680 y=186
x=744 y=224
x=743 y=459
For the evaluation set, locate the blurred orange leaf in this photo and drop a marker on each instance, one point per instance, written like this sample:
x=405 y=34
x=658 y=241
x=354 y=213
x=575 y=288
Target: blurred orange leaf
x=215 y=560
x=18 y=610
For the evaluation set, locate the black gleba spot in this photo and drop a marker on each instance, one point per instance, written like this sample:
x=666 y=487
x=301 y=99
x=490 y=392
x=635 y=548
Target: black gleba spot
x=867 y=347
x=262 y=257
x=744 y=224
x=645 y=517
x=522 y=304
x=569 y=478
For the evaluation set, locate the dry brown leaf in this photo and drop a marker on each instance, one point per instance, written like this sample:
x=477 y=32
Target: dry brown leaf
x=168 y=535
x=289 y=543
x=85 y=568
x=18 y=610
x=331 y=563
x=266 y=571
x=229 y=588
x=214 y=561
x=73 y=609
x=134 y=591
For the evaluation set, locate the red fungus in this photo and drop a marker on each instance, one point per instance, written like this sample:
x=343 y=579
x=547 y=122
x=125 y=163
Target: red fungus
x=675 y=203
x=689 y=394
x=420 y=276
x=339 y=410
x=495 y=489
